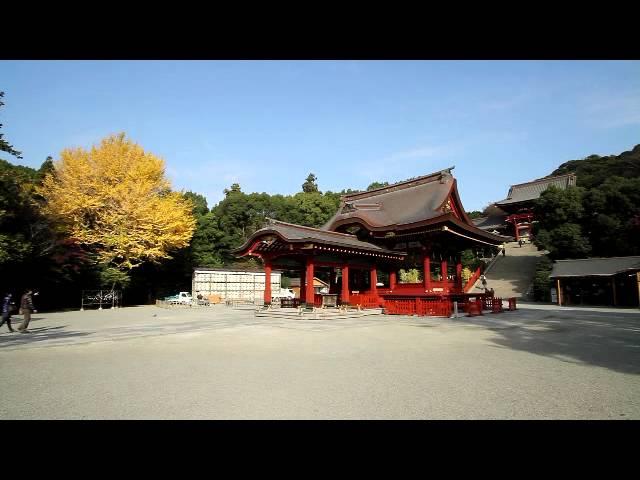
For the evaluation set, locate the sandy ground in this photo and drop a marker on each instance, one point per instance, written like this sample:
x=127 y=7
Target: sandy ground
x=540 y=362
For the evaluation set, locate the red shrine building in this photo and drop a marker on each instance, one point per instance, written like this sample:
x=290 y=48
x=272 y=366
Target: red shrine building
x=416 y=224
x=514 y=215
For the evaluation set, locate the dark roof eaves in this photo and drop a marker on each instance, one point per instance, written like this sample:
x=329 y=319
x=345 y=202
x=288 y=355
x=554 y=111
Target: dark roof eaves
x=365 y=246
x=543 y=180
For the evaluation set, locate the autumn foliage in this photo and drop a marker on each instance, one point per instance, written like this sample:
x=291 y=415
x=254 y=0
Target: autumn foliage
x=115 y=200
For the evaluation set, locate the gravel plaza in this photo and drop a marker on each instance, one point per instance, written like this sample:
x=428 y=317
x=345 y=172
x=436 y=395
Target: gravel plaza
x=539 y=362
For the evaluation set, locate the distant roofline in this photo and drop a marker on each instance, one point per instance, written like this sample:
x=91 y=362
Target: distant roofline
x=396 y=186
x=545 y=179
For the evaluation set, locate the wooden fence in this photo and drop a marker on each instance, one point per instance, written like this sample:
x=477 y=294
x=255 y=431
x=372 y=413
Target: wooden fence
x=418 y=306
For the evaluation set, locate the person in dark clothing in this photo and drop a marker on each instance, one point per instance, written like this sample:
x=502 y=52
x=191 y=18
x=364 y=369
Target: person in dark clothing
x=504 y=252
x=26 y=305
x=7 y=309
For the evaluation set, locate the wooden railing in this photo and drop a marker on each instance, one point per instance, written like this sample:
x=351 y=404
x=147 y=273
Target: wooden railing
x=366 y=300
x=418 y=306
x=438 y=287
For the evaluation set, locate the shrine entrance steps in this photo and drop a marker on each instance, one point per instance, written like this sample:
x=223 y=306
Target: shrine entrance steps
x=512 y=275
x=316 y=313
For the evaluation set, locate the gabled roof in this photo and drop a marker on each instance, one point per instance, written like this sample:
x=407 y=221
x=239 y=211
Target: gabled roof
x=292 y=233
x=401 y=204
x=490 y=222
x=594 y=267
x=523 y=192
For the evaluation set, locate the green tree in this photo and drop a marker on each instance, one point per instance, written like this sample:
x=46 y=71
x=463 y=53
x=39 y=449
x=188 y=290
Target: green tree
x=312 y=209
x=595 y=170
x=541 y=282
x=375 y=185
x=235 y=188
x=411 y=275
x=556 y=207
x=310 y=185
x=565 y=241
x=601 y=215
x=475 y=214
x=4 y=145
x=469 y=260
x=611 y=213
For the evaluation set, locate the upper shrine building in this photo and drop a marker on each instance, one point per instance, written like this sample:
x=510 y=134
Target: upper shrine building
x=419 y=223
x=514 y=215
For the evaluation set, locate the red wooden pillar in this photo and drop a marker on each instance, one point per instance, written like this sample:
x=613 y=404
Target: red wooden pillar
x=443 y=269
x=515 y=224
x=345 y=284
x=309 y=282
x=373 y=279
x=303 y=283
x=459 y=275
x=267 y=282
x=426 y=264
x=392 y=279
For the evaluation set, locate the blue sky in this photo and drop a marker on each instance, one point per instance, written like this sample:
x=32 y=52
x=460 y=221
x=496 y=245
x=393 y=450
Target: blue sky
x=267 y=124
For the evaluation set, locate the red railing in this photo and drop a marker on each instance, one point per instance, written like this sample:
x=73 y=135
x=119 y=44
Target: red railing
x=366 y=300
x=472 y=280
x=492 y=303
x=400 y=307
x=438 y=287
x=418 y=306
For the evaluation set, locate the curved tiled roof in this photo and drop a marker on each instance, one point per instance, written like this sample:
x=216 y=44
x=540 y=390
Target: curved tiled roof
x=531 y=190
x=594 y=266
x=301 y=234
x=490 y=222
x=403 y=203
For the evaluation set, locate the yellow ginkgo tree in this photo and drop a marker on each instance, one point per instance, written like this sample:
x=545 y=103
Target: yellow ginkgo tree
x=115 y=200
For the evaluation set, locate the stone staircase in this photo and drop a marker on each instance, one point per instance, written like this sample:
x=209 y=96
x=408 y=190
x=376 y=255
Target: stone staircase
x=512 y=275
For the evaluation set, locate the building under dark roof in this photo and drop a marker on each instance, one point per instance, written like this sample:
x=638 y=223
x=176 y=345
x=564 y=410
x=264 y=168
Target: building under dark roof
x=406 y=206
x=419 y=223
x=589 y=267
x=514 y=214
x=600 y=281
x=527 y=192
x=491 y=223
x=283 y=234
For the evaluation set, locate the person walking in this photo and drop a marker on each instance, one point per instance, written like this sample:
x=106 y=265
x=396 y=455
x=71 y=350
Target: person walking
x=7 y=310
x=504 y=251
x=27 y=308
x=483 y=279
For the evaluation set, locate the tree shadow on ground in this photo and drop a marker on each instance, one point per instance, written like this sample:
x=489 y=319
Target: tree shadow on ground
x=608 y=340
x=37 y=335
